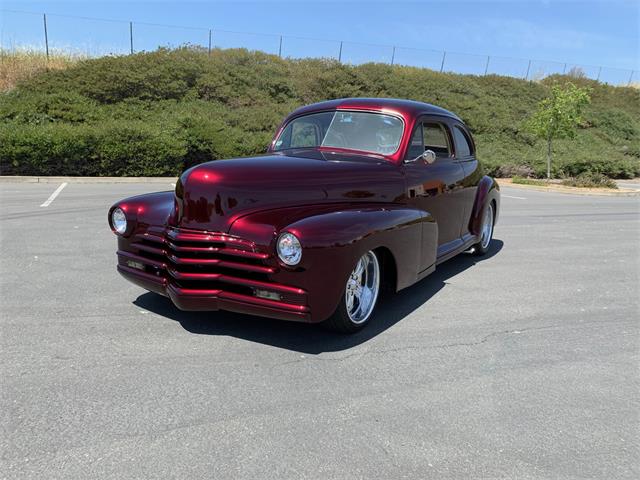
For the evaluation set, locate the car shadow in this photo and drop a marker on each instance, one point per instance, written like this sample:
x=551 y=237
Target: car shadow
x=309 y=338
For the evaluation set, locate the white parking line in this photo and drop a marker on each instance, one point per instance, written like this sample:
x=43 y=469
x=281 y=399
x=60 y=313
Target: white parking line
x=54 y=195
x=511 y=196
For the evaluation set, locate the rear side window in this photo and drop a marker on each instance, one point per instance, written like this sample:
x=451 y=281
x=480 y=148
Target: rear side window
x=436 y=139
x=463 y=145
x=429 y=136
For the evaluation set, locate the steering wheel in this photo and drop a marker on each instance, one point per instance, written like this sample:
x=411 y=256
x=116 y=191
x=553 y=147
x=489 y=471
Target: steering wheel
x=383 y=144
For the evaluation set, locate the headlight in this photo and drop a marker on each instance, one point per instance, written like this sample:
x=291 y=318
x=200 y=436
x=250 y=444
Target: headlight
x=289 y=249
x=119 y=221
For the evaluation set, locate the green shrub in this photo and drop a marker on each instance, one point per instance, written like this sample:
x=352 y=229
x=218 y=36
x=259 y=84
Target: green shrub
x=157 y=113
x=157 y=75
x=132 y=149
x=136 y=149
x=39 y=108
x=590 y=180
x=48 y=149
x=616 y=123
x=612 y=167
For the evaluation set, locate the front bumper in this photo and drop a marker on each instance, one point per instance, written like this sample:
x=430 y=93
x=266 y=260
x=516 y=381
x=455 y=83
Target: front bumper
x=209 y=271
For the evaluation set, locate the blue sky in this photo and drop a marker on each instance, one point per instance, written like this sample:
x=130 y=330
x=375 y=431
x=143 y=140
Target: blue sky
x=588 y=33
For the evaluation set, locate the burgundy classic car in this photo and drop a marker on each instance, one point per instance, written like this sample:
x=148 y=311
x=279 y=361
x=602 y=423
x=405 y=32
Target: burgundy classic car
x=352 y=196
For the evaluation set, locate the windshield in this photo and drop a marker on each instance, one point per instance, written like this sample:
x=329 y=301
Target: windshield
x=364 y=131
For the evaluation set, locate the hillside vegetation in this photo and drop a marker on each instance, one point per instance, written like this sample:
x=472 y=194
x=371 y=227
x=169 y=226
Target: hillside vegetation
x=158 y=113
x=21 y=65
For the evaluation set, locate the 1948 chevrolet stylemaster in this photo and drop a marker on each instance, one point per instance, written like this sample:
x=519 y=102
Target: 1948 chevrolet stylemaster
x=353 y=195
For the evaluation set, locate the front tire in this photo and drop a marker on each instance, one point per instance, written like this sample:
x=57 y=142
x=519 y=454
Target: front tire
x=359 y=298
x=486 y=232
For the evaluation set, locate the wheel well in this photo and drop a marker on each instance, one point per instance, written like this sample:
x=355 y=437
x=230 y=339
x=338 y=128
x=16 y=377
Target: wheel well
x=389 y=276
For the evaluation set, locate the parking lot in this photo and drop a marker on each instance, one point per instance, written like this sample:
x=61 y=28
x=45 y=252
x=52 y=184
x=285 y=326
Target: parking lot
x=524 y=364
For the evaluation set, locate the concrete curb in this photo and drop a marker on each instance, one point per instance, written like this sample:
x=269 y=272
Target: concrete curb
x=27 y=179
x=503 y=182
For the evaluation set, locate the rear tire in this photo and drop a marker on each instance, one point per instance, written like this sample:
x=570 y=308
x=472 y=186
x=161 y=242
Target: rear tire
x=486 y=231
x=360 y=296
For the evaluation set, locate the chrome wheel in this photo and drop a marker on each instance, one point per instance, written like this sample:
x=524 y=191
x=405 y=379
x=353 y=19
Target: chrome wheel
x=362 y=288
x=487 y=227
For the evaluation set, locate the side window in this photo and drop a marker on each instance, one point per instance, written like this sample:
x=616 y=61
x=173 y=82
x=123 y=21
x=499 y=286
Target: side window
x=436 y=139
x=416 y=147
x=463 y=146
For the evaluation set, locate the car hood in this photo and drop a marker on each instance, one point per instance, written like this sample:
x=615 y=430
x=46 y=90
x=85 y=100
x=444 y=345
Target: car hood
x=211 y=196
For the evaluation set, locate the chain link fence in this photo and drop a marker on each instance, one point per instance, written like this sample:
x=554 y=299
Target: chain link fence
x=19 y=31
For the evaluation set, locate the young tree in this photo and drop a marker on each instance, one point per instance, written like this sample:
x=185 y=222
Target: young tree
x=559 y=115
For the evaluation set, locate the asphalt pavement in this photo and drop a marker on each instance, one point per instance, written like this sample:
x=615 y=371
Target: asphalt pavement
x=524 y=364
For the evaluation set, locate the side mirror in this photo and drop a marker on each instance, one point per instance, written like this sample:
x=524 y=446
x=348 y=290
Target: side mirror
x=428 y=157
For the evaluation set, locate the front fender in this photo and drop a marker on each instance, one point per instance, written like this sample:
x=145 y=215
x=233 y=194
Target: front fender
x=332 y=242
x=145 y=210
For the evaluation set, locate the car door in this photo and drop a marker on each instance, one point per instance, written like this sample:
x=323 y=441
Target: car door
x=464 y=154
x=435 y=187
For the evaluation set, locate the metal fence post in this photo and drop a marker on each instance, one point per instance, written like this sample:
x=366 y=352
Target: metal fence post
x=46 y=35
x=630 y=78
x=280 y=47
x=131 y=37
x=486 y=67
x=444 y=55
x=340 y=53
x=209 y=41
x=526 y=77
x=393 y=55
x=599 y=71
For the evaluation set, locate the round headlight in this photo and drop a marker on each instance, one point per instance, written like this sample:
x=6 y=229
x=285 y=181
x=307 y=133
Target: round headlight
x=119 y=221
x=289 y=249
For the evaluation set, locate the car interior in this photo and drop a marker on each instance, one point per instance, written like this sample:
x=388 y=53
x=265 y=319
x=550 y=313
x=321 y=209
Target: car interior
x=432 y=136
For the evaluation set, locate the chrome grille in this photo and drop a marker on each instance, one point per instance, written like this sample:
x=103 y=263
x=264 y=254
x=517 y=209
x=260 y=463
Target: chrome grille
x=206 y=263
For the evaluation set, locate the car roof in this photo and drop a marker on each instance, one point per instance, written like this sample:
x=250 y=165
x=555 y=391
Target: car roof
x=404 y=107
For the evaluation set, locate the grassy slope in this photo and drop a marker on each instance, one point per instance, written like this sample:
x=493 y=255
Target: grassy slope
x=19 y=66
x=157 y=113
